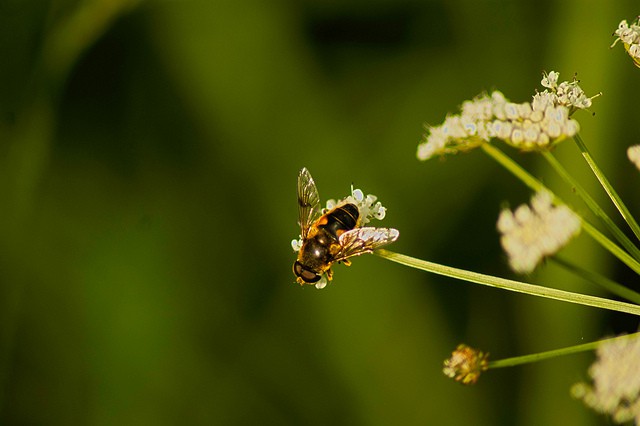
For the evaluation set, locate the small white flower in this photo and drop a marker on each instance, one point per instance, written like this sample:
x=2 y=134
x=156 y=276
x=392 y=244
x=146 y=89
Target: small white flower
x=511 y=111
x=481 y=107
x=571 y=95
x=468 y=130
x=542 y=100
x=357 y=194
x=501 y=129
x=524 y=110
x=629 y=35
x=296 y=244
x=566 y=93
x=517 y=137
x=426 y=151
x=532 y=233
x=322 y=283
x=550 y=80
x=453 y=127
x=633 y=152
x=531 y=132
x=616 y=380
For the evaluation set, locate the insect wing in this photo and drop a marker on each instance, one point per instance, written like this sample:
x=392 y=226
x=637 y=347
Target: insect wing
x=308 y=202
x=364 y=240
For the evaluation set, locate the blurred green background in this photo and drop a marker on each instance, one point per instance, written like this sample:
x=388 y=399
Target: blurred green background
x=149 y=152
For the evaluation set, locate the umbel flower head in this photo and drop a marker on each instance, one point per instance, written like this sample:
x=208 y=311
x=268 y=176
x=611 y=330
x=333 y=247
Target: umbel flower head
x=466 y=364
x=529 y=234
x=629 y=35
x=529 y=126
x=616 y=380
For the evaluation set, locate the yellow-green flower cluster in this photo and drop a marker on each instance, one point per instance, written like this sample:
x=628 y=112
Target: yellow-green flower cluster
x=629 y=35
x=535 y=125
x=466 y=364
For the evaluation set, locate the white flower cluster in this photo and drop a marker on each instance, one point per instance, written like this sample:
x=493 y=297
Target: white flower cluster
x=616 y=380
x=460 y=133
x=537 y=125
x=633 y=152
x=566 y=93
x=368 y=206
x=529 y=234
x=630 y=37
x=533 y=126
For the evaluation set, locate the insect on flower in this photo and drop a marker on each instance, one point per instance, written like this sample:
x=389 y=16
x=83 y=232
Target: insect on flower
x=334 y=234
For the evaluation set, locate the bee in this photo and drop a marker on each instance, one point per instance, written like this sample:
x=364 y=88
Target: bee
x=330 y=236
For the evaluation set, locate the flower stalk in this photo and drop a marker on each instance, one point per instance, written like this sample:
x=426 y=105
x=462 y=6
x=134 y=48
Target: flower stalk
x=511 y=285
x=615 y=198
x=526 y=359
x=593 y=206
x=600 y=280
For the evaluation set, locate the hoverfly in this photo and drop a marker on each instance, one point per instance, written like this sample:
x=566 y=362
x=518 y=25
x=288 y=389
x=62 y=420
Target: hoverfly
x=333 y=235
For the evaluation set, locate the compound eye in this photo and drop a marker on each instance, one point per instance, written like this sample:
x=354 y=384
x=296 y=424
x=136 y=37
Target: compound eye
x=307 y=275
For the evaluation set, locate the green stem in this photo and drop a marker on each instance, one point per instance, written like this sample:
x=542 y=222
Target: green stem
x=525 y=359
x=513 y=167
x=536 y=185
x=617 y=201
x=602 y=281
x=611 y=247
x=511 y=285
x=595 y=208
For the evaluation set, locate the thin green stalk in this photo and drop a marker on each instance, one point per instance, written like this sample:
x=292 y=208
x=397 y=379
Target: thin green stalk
x=525 y=359
x=513 y=167
x=595 y=208
x=617 y=201
x=517 y=286
x=536 y=185
x=602 y=281
x=611 y=247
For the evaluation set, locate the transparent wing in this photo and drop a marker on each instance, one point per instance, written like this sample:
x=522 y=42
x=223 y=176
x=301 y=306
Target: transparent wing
x=308 y=202
x=364 y=240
